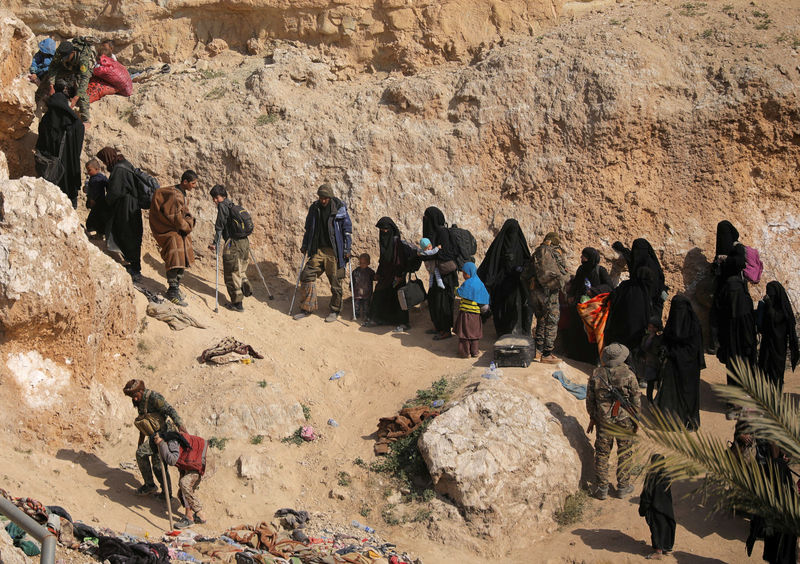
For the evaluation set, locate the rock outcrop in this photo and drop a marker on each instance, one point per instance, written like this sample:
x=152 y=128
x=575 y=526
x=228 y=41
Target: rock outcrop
x=383 y=33
x=66 y=309
x=17 y=46
x=503 y=459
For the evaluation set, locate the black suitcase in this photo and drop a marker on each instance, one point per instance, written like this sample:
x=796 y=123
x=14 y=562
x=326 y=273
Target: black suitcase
x=514 y=350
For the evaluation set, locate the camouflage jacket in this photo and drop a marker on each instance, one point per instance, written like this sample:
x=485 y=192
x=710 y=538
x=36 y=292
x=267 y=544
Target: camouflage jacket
x=78 y=69
x=600 y=401
x=153 y=402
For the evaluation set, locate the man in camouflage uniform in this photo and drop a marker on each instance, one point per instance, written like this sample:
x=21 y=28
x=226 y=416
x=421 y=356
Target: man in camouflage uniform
x=611 y=395
x=546 y=274
x=153 y=412
x=74 y=62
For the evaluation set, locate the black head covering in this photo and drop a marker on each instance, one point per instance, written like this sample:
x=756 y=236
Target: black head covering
x=629 y=311
x=783 y=320
x=508 y=251
x=727 y=235
x=586 y=271
x=386 y=240
x=592 y=257
x=643 y=255
x=432 y=220
x=683 y=327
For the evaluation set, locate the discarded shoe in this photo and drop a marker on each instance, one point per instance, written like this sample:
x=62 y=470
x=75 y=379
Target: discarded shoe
x=332 y=316
x=146 y=489
x=624 y=491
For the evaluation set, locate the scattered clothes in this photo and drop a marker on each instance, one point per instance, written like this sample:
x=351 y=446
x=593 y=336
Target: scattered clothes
x=16 y=533
x=117 y=551
x=60 y=511
x=82 y=531
x=225 y=346
x=307 y=433
x=292 y=519
x=392 y=428
x=176 y=319
x=149 y=294
x=577 y=390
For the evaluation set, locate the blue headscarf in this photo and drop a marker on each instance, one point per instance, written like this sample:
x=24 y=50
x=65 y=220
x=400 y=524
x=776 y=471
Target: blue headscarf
x=47 y=46
x=472 y=288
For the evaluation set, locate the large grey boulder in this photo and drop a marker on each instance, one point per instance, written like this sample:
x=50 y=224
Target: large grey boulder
x=503 y=459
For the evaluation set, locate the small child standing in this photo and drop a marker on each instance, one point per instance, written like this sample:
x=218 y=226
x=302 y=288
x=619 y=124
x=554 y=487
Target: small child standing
x=363 y=276
x=648 y=358
x=655 y=505
x=426 y=249
x=468 y=326
x=95 y=189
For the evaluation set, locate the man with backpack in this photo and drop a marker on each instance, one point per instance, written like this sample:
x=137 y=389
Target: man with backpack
x=613 y=399
x=74 y=61
x=547 y=274
x=327 y=241
x=232 y=229
x=172 y=224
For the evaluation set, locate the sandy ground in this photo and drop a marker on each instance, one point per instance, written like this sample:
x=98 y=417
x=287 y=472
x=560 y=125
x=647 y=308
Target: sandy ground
x=382 y=370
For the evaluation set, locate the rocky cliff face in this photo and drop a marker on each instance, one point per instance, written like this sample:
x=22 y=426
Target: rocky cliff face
x=626 y=123
x=378 y=32
x=16 y=95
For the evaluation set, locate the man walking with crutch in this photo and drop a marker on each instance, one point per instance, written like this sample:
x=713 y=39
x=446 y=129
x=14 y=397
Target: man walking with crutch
x=327 y=241
x=232 y=229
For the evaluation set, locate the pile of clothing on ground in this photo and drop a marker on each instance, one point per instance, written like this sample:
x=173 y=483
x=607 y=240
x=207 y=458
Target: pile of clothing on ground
x=287 y=540
x=401 y=425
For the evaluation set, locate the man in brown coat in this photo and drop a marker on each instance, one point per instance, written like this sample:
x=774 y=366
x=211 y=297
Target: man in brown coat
x=172 y=224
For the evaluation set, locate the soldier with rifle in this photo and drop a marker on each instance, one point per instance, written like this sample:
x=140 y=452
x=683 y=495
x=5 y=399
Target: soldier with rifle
x=612 y=398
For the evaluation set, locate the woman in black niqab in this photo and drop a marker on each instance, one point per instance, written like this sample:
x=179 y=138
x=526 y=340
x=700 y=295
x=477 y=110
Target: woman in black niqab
x=655 y=505
x=777 y=325
x=441 y=301
x=630 y=310
x=682 y=342
x=729 y=260
x=500 y=273
x=392 y=266
x=736 y=324
x=590 y=279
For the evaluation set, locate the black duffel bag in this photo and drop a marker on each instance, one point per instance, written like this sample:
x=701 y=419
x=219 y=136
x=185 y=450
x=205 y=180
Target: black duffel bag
x=411 y=293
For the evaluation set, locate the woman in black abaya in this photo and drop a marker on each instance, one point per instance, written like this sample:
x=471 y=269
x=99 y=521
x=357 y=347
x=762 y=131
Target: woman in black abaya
x=590 y=280
x=440 y=300
x=500 y=273
x=62 y=123
x=630 y=309
x=392 y=266
x=777 y=325
x=655 y=505
x=642 y=255
x=682 y=340
x=735 y=323
x=729 y=260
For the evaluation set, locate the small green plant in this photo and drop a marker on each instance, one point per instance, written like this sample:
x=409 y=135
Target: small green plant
x=217 y=442
x=727 y=9
x=150 y=367
x=614 y=22
x=760 y=45
x=389 y=516
x=257 y=440
x=707 y=33
x=306 y=412
x=439 y=390
x=572 y=509
x=208 y=74
x=216 y=93
x=765 y=21
x=421 y=515
x=295 y=438
x=262 y=384
x=267 y=119
x=142 y=346
x=344 y=479
x=365 y=511
x=360 y=462
x=692 y=9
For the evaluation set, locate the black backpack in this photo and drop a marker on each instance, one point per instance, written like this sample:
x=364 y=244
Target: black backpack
x=146 y=186
x=464 y=245
x=240 y=224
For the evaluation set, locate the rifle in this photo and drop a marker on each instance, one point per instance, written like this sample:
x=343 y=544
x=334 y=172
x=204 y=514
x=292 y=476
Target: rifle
x=621 y=401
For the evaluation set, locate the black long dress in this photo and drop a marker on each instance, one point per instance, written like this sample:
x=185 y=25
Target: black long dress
x=642 y=255
x=655 y=505
x=729 y=260
x=61 y=121
x=500 y=272
x=385 y=308
x=441 y=301
x=682 y=340
x=590 y=279
x=126 y=216
x=736 y=324
x=630 y=310
x=777 y=326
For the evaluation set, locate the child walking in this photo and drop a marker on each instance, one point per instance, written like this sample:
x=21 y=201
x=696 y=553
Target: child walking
x=363 y=277
x=469 y=327
x=95 y=189
x=655 y=505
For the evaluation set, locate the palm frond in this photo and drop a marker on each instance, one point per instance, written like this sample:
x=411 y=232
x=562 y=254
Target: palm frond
x=772 y=415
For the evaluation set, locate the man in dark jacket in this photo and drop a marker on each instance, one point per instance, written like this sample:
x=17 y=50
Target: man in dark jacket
x=327 y=241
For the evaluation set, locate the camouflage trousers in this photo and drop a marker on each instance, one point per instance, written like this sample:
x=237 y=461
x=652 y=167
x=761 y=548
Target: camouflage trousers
x=235 y=257
x=145 y=453
x=602 y=452
x=546 y=309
